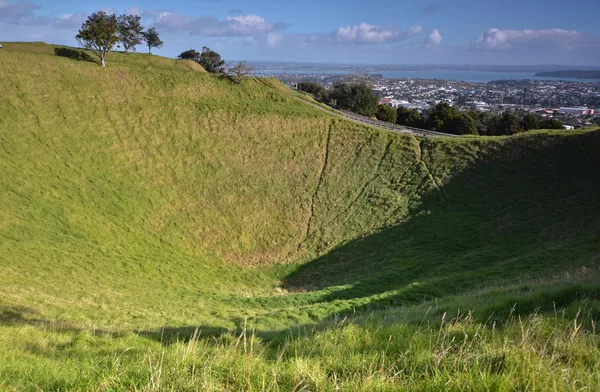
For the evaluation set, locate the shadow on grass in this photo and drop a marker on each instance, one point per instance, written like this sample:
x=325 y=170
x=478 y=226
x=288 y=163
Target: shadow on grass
x=529 y=208
x=74 y=54
x=526 y=210
x=227 y=78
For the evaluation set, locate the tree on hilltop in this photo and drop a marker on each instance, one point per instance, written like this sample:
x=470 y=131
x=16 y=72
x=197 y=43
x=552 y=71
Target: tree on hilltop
x=99 y=33
x=131 y=31
x=211 y=61
x=239 y=70
x=191 y=54
x=152 y=40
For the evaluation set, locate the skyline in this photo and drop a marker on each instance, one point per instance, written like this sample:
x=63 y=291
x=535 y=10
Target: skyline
x=343 y=32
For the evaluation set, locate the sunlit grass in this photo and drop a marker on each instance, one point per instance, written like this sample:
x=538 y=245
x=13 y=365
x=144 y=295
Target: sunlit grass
x=143 y=201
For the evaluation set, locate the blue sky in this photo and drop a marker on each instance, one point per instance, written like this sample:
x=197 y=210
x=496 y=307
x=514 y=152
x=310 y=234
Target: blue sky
x=383 y=32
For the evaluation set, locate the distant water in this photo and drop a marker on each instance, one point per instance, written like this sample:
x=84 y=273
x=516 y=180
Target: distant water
x=464 y=76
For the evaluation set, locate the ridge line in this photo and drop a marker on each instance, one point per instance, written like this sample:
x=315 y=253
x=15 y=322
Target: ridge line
x=314 y=196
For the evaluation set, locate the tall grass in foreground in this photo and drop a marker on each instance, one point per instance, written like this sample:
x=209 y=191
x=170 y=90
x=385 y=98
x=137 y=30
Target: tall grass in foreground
x=537 y=353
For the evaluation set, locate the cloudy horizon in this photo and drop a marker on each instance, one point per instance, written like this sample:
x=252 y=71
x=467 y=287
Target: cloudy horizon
x=387 y=32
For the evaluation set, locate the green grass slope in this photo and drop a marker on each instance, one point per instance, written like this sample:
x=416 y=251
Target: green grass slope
x=132 y=59
x=145 y=200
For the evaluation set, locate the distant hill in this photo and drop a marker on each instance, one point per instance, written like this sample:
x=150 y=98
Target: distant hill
x=576 y=74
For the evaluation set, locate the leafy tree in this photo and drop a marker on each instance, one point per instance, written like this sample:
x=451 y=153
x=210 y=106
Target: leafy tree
x=130 y=31
x=482 y=121
x=529 y=122
x=462 y=124
x=99 y=34
x=386 y=113
x=551 y=123
x=402 y=114
x=508 y=124
x=358 y=98
x=239 y=70
x=408 y=117
x=191 y=54
x=211 y=61
x=152 y=40
x=315 y=89
x=440 y=116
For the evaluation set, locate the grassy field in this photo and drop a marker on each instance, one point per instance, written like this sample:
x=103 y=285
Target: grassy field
x=162 y=228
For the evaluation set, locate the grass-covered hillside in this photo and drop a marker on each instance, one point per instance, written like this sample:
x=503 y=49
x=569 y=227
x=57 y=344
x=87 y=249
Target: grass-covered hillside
x=162 y=228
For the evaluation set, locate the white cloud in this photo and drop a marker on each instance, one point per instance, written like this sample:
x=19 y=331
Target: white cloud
x=432 y=40
x=209 y=26
x=13 y=13
x=548 y=39
x=274 y=39
x=69 y=21
x=243 y=25
x=366 y=34
x=167 y=20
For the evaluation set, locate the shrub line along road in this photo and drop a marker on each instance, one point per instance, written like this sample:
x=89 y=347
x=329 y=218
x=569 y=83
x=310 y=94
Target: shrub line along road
x=381 y=124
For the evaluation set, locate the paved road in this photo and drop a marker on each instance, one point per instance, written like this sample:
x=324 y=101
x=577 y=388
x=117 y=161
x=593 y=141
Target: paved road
x=381 y=124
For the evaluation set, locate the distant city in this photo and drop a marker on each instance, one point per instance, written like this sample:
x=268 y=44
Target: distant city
x=485 y=88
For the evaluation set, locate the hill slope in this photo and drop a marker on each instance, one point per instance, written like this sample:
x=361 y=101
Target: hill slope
x=140 y=197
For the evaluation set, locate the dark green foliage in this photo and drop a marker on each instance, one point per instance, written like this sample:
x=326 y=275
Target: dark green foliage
x=315 y=89
x=409 y=117
x=386 y=113
x=508 y=124
x=99 y=34
x=152 y=39
x=529 y=122
x=462 y=100
x=131 y=31
x=463 y=124
x=551 y=123
x=444 y=118
x=211 y=61
x=440 y=116
x=482 y=121
x=190 y=54
x=356 y=97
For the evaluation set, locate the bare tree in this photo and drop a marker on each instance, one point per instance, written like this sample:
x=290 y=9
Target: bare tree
x=239 y=70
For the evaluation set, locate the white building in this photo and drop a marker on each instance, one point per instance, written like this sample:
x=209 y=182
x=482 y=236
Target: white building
x=394 y=103
x=579 y=111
